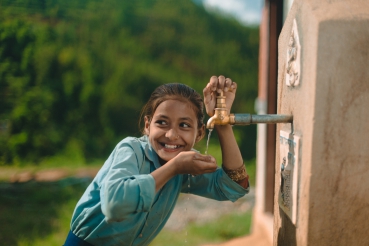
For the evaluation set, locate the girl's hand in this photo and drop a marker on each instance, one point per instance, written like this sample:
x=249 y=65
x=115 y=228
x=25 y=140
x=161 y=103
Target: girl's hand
x=191 y=162
x=216 y=85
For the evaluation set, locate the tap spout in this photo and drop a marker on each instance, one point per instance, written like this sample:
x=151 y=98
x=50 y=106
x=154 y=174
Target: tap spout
x=220 y=117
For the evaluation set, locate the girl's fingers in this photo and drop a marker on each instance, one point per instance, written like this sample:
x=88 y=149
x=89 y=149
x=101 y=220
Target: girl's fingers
x=213 y=83
x=206 y=168
x=221 y=83
x=207 y=90
x=227 y=85
x=218 y=85
x=205 y=158
x=234 y=86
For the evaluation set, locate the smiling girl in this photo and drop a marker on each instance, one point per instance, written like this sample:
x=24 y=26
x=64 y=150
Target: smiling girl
x=134 y=193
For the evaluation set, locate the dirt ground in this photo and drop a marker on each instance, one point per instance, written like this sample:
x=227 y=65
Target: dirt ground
x=191 y=208
x=45 y=175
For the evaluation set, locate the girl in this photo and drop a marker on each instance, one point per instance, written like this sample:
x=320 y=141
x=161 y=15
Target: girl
x=134 y=193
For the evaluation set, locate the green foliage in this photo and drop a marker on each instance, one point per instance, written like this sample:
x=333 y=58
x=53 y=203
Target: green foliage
x=76 y=73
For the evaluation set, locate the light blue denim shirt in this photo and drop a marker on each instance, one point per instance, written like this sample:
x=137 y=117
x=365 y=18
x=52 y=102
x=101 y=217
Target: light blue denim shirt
x=121 y=207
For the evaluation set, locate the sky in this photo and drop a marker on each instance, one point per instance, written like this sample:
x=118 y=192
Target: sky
x=247 y=12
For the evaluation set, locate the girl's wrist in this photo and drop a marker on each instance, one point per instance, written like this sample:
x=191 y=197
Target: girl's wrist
x=173 y=167
x=223 y=128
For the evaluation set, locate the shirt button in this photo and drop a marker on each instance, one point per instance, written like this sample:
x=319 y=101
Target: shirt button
x=140 y=235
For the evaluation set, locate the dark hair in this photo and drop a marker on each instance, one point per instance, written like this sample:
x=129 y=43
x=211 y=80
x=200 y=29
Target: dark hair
x=174 y=91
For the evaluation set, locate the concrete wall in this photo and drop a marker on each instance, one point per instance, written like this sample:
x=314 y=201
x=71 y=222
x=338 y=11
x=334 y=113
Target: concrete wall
x=331 y=116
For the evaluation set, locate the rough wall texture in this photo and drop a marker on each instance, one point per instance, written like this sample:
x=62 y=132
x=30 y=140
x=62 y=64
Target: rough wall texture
x=331 y=115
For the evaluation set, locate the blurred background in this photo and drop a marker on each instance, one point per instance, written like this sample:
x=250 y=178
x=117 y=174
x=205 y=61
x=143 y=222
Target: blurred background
x=74 y=75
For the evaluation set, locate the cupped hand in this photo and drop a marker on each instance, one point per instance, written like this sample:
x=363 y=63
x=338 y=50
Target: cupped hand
x=191 y=162
x=217 y=85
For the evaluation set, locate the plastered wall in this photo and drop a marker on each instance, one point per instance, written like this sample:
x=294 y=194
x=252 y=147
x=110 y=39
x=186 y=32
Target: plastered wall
x=330 y=106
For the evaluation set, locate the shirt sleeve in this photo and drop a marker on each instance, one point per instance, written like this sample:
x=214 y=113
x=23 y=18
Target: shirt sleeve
x=216 y=185
x=124 y=190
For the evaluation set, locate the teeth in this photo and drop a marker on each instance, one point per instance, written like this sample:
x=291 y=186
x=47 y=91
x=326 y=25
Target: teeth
x=171 y=146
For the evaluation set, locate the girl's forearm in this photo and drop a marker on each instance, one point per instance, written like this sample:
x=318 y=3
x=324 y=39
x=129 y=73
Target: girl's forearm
x=231 y=155
x=163 y=174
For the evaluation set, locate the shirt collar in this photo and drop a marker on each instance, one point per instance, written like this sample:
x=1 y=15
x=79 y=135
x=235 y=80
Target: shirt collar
x=149 y=151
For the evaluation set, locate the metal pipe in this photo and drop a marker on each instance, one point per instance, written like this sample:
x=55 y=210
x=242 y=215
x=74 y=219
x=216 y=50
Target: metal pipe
x=222 y=117
x=247 y=119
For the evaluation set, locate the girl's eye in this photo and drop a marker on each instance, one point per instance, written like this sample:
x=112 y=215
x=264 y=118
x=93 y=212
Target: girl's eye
x=161 y=122
x=185 y=125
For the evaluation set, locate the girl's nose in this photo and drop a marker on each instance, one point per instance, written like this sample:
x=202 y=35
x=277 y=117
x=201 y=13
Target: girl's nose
x=172 y=134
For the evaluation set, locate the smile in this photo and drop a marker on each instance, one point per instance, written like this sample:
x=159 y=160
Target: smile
x=168 y=146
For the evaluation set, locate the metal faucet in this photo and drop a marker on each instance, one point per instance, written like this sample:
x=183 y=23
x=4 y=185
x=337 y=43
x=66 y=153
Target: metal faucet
x=222 y=117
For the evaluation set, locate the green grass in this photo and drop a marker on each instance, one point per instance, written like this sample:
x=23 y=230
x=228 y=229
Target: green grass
x=225 y=228
x=38 y=213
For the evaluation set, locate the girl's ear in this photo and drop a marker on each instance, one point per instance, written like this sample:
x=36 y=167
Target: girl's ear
x=147 y=125
x=200 y=133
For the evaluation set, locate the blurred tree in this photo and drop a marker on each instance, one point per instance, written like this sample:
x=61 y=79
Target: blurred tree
x=76 y=72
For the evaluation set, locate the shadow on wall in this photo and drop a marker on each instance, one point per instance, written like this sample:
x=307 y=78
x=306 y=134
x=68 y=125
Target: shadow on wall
x=287 y=231
x=28 y=211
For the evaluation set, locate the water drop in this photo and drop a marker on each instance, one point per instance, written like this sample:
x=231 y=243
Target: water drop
x=188 y=201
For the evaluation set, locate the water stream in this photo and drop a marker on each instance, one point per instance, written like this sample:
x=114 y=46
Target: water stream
x=207 y=143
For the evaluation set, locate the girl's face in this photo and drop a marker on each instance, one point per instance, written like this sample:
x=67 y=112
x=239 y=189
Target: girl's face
x=172 y=129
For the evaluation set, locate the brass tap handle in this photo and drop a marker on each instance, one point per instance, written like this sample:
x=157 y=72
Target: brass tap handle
x=221 y=100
